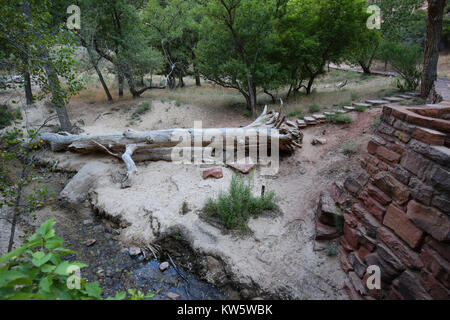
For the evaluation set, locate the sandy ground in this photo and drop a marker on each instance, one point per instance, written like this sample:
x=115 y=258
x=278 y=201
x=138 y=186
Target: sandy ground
x=277 y=259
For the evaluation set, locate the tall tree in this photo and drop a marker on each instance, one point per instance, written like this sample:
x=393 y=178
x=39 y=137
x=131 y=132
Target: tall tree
x=236 y=37
x=434 y=31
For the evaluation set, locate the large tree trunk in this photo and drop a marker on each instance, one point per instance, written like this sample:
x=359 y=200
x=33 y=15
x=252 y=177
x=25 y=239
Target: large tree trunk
x=27 y=86
x=133 y=146
x=434 y=31
x=252 y=103
x=120 y=80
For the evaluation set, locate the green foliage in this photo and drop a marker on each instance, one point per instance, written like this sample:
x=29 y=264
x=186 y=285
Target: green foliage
x=296 y=113
x=340 y=118
x=235 y=207
x=360 y=108
x=349 y=148
x=331 y=251
x=376 y=121
x=37 y=271
x=314 y=108
x=141 y=109
x=7 y=116
x=338 y=221
x=406 y=59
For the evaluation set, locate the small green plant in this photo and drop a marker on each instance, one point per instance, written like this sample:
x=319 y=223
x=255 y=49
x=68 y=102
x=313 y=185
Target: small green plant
x=247 y=113
x=235 y=207
x=376 y=121
x=360 y=108
x=184 y=207
x=331 y=251
x=7 y=116
x=340 y=118
x=38 y=271
x=314 y=108
x=296 y=113
x=178 y=103
x=141 y=109
x=338 y=221
x=354 y=96
x=349 y=148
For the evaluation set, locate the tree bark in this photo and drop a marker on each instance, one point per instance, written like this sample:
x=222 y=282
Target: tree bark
x=433 y=37
x=120 y=79
x=27 y=86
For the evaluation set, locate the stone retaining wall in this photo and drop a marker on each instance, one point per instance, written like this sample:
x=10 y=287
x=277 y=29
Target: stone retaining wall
x=396 y=209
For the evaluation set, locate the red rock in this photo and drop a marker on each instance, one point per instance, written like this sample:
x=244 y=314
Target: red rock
x=324 y=232
x=351 y=236
x=387 y=255
x=430 y=219
x=398 y=221
x=244 y=168
x=357 y=283
x=367 y=242
x=414 y=163
x=213 y=173
x=358 y=265
x=438 y=266
x=327 y=209
x=392 y=187
x=409 y=287
x=397 y=148
x=363 y=252
x=429 y=136
x=378 y=195
x=434 y=288
x=442 y=248
x=403 y=252
x=373 y=207
x=344 y=260
x=90 y=242
x=345 y=245
x=368 y=221
x=387 y=155
x=372 y=147
x=420 y=191
x=351 y=292
x=402 y=136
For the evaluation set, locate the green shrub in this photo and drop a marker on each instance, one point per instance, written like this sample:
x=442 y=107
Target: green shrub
x=296 y=113
x=340 y=118
x=354 y=96
x=236 y=206
x=247 y=113
x=376 y=121
x=7 y=116
x=406 y=59
x=331 y=251
x=38 y=271
x=141 y=109
x=349 y=148
x=314 y=108
x=360 y=108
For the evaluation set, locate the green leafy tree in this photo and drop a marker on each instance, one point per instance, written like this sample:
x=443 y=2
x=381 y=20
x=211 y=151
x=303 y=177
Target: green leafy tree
x=314 y=33
x=38 y=271
x=236 y=39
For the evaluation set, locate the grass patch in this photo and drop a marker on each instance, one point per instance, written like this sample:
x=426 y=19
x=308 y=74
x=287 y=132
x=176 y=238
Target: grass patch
x=413 y=102
x=141 y=109
x=296 y=113
x=376 y=121
x=340 y=118
x=349 y=148
x=247 y=113
x=331 y=251
x=314 y=108
x=360 y=108
x=354 y=96
x=236 y=206
x=7 y=116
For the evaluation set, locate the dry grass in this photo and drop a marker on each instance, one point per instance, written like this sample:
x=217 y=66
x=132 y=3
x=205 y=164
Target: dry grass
x=325 y=94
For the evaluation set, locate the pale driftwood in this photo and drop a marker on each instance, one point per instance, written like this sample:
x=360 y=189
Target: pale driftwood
x=157 y=145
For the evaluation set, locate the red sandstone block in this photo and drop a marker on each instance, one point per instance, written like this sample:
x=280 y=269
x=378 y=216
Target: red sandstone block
x=408 y=285
x=387 y=155
x=378 y=195
x=363 y=252
x=392 y=187
x=373 y=207
x=213 y=173
x=429 y=136
x=438 y=266
x=397 y=148
x=415 y=163
x=434 y=288
x=383 y=166
x=402 y=251
x=368 y=221
x=351 y=236
x=440 y=247
x=345 y=265
x=371 y=169
x=436 y=223
x=398 y=221
x=347 y=247
x=351 y=292
x=372 y=147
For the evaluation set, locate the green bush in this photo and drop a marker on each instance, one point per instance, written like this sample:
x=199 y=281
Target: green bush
x=314 y=108
x=340 y=118
x=360 y=108
x=236 y=206
x=406 y=59
x=141 y=109
x=7 y=116
x=349 y=148
x=296 y=113
x=37 y=271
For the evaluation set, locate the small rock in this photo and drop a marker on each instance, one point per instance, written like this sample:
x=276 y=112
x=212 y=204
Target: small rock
x=173 y=296
x=164 y=266
x=213 y=173
x=88 y=222
x=316 y=141
x=244 y=167
x=90 y=242
x=134 y=251
x=100 y=273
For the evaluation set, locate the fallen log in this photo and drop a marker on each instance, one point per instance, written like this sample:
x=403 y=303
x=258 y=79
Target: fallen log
x=156 y=145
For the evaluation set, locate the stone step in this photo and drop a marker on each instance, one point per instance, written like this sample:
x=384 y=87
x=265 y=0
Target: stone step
x=348 y=108
x=341 y=111
x=405 y=96
x=310 y=120
x=328 y=113
x=377 y=102
x=319 y=117
x=361 y=104
x=412 y=94
x=301 y=123
x=393 y=99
